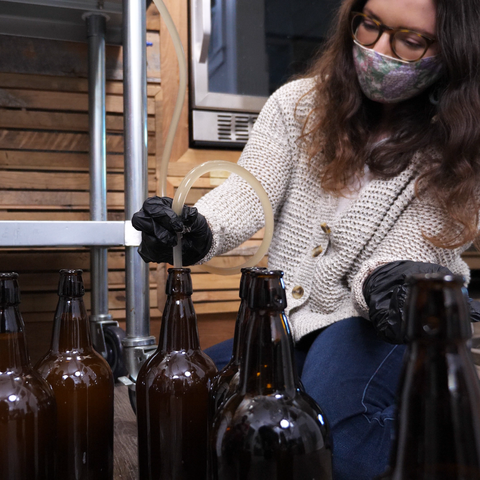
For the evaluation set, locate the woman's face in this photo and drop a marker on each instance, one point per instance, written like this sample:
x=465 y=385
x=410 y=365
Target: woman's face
x=417 y=15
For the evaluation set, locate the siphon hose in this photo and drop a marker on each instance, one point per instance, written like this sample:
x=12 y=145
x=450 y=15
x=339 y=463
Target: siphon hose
x=181 y=195
x=206 y=167
x=182 y=91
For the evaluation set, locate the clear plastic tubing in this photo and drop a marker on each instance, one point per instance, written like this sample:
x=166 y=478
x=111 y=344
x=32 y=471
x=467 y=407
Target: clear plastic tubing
x=181 y=195
x=206 y=167
x=182 y=91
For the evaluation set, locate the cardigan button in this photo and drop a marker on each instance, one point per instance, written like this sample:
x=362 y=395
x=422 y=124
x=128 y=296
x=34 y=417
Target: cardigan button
x=297 y=292
x=317 y=251
x=326 y=229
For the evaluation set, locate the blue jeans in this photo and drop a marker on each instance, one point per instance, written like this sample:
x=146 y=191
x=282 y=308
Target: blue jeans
x=353 y=376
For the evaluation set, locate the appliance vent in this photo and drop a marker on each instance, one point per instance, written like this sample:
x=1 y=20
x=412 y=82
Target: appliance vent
x=235 y=128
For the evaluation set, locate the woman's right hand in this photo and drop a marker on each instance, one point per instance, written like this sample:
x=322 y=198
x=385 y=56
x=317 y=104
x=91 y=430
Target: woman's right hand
x=160 y=225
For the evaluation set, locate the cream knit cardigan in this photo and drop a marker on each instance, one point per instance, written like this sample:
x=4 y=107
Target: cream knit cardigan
x=383 y=224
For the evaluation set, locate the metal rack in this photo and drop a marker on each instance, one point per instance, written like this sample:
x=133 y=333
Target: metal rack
x=98 y=22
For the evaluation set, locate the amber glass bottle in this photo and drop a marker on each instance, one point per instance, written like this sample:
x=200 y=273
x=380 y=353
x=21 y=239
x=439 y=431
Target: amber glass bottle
x=226 y=380
x=172 y=392
x=83 y=385
x=27 y=404
x=269 y=429
x=438 y=421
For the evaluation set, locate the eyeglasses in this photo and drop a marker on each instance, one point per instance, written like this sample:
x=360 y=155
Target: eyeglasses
x=407 y=45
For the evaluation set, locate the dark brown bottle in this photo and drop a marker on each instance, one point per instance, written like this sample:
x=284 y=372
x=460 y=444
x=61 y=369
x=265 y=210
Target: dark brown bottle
x=438 y=421
x=270 y=429
x=27 y=404
x=226 y=381
x=83 y=385
x=172 y=392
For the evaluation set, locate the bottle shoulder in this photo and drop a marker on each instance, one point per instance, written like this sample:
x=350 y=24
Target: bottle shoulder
x=277 y=420
x=86 y=367
x=181 y=367
x=26 y=392
x=179 y=359
x=224 y=376
x=276 y=407
x=229 y=370
x=223 y=386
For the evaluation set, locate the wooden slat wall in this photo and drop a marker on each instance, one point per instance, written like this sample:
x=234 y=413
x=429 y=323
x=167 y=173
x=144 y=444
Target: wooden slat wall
x=44 y=171
x=44 y=164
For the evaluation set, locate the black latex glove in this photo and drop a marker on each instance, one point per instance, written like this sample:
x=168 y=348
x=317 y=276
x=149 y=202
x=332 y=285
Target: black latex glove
x=159 y=225
x=385 y=292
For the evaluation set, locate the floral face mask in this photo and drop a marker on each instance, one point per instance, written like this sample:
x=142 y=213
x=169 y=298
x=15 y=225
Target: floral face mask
x=388 y=80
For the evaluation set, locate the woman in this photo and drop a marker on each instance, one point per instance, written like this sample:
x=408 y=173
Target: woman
x=371 y=166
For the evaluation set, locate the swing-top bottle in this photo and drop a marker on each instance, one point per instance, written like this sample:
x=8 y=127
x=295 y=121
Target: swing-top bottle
x=27 y=404
x=269 y=429
x=226 y=381
x=438 y=421
x=172 y=392
x=83 y=385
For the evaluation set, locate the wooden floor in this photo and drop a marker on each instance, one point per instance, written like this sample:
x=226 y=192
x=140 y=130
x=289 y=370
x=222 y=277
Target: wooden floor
x=125 y=443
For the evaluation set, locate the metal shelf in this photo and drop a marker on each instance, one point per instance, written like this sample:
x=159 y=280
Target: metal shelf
x=98 y=22
x=67 y=234
x=59 y=19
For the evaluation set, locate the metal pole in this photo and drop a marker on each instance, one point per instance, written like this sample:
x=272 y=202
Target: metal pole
x=136 y=175
x=96 y=28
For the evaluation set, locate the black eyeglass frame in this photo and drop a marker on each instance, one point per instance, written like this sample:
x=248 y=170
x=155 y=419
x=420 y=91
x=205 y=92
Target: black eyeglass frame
x=392 y=31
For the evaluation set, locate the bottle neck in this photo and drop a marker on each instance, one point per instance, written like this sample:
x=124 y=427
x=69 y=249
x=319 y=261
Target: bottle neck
x=13 y=349
x=438 y=329
x=267 y=364
x=240 y=332
x=423 y=359
x=179 y=322
x=243 y=313
x=437 y=409
x=179 y=325
x=71 y=331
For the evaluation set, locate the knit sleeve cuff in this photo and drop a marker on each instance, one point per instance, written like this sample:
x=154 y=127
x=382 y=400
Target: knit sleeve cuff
x=357 y=285
x=217 y=238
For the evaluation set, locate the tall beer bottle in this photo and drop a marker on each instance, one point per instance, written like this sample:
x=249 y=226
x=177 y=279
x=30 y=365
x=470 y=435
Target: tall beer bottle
x=226 y=380
x=269 y=429
x=83 y=385
x=438 y=421
x=27 y=404
x=172 y=392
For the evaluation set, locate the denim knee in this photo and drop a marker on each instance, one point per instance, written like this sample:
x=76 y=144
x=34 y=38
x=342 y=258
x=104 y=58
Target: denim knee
x=221 y=353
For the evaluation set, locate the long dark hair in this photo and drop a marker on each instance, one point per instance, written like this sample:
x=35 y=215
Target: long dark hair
x=443 y=120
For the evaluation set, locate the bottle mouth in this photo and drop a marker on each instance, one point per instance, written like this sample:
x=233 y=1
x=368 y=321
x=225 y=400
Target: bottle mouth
x=179 y=270
x=265 y=294
x=246 y=279
x=9 y=293
x=71 y=283
x=8 y=275
x=265 y=272
x=74 y=271
x=179 y=281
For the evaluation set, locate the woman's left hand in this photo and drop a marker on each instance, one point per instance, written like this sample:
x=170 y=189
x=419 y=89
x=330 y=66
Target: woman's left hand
x=385 y=291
